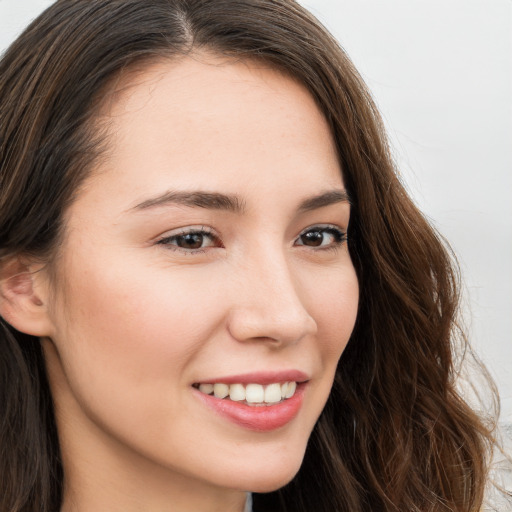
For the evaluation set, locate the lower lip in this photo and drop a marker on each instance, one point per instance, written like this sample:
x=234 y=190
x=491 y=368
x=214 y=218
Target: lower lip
x=259 y=418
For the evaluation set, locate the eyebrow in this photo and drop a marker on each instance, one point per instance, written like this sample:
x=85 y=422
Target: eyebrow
x=233 y=203
x=324 y=199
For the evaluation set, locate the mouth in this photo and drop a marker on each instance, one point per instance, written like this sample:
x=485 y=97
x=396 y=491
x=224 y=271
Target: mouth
x=251 y=394
x=259 y=401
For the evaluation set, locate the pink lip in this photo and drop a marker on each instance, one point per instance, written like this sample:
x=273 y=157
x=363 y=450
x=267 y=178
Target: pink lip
x=260 y=378
x=262 y=419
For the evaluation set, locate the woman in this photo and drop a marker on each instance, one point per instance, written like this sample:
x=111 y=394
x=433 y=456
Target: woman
x=212 y=281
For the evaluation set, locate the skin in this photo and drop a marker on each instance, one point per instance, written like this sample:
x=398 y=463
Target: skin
x=133 y=322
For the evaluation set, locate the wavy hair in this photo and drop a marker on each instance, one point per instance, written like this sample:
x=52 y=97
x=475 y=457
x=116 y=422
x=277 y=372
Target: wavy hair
x=395 y=435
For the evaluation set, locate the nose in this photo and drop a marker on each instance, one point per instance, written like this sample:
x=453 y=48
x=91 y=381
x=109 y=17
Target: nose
x=267 y=305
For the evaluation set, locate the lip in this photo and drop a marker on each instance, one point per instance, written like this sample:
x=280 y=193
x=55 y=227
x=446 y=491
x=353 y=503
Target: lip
x=259 y=378
x=257 y=418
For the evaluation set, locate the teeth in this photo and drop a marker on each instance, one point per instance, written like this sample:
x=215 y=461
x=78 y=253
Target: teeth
x=251 y=393
x=207 y=389
x=292 y=386
x=273 y=394
x=220 y=390
x=254 y=393
x=237 y=392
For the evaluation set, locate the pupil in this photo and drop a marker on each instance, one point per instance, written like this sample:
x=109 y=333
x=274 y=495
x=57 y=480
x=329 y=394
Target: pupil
x=190 y=241
x=313 y=238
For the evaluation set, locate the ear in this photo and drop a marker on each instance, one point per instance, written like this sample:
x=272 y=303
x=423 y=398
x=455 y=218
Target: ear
x=24 y=295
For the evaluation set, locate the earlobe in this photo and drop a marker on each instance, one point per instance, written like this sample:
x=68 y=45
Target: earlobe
x=23 y=297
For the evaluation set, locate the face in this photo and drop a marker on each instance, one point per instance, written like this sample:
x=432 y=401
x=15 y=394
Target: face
x=206 y=254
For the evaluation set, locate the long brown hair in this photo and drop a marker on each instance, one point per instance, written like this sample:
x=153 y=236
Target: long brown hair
x=395 y=434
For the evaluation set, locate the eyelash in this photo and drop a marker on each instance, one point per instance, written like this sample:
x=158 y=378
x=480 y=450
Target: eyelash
x=339 y=238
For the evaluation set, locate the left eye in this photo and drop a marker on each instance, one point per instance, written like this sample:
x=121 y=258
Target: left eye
x=192 y=240
x=321 y=237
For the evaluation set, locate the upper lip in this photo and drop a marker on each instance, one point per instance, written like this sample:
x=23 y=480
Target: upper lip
x=266 y=377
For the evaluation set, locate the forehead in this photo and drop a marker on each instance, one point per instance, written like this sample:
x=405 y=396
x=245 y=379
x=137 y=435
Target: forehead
x=201 y=72
x=207 y=122
x=204 y=88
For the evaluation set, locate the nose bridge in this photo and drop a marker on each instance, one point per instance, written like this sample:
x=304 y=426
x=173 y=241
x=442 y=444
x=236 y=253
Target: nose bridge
x=267 y=303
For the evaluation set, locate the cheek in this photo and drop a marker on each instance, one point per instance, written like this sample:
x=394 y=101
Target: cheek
x=334 y=298
x=126 y=342
x=115 y=323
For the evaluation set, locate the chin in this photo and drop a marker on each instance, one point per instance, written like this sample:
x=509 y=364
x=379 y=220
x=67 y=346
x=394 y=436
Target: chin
x=268 y=474
x=270 y=485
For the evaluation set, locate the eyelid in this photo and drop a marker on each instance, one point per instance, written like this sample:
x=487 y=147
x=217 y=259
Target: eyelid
x=324 y=227
x=185 y=230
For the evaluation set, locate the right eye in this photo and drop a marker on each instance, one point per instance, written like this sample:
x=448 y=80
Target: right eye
x=191 y=240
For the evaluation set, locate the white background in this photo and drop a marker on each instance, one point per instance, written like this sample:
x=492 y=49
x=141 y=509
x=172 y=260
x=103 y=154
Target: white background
x=440 y=71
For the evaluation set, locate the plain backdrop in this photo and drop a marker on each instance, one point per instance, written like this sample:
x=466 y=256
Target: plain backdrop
x=440 y=72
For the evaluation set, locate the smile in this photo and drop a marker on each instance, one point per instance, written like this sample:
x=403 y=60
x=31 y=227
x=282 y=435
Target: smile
x=251 y=394
x=258 y=401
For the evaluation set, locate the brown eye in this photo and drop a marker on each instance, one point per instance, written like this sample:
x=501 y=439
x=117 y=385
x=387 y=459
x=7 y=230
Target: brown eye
x=191 y=241
x=322 y=237
x=312 y=238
